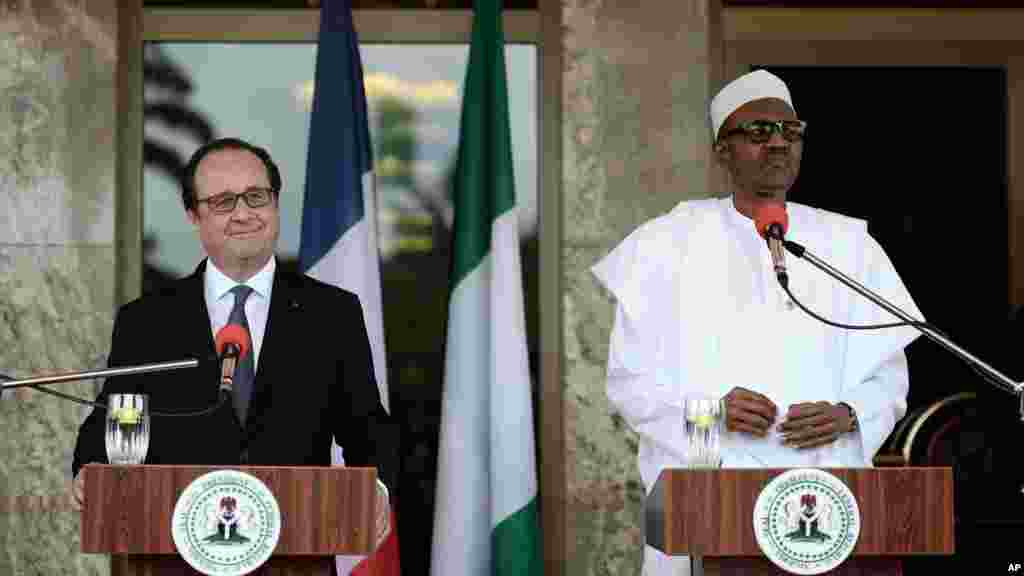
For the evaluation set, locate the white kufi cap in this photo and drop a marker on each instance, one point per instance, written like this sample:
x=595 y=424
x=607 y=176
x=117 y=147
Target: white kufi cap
x=747 y=88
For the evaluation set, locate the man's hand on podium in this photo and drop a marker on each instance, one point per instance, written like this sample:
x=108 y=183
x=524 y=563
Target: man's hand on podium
x=78 y=492
x=383 y=519
x=748 y=411
x=812 y=424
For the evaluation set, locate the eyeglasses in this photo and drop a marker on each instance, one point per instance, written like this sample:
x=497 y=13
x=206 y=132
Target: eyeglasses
x=760 y=131
x=225 y=203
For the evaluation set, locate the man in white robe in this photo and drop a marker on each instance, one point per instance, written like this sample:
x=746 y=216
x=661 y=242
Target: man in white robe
x=699 y=310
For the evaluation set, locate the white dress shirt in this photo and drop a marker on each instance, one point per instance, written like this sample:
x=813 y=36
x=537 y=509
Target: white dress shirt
x=220 y=301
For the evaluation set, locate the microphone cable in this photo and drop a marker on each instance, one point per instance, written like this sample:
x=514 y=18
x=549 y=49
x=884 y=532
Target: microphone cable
x=233 y=334
x=798 y=251
x=771 y=221
x=824 y=320
x=221 y=400
x=919 y=325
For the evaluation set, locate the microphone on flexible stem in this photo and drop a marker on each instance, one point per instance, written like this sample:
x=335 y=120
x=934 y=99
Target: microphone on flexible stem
x=772 y=221
x=232 y=345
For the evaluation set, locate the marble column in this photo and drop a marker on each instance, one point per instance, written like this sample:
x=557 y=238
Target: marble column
x=57 y=167
x=636 y=141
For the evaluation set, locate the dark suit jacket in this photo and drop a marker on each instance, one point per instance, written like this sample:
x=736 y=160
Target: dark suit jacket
x=314 y=381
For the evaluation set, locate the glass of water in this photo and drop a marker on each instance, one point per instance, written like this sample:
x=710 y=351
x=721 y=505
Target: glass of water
x=127 y=428
x=703 y=422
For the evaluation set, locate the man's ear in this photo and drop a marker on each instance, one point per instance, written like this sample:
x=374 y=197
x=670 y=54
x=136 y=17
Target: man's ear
x=192 y=217
x=722 y=151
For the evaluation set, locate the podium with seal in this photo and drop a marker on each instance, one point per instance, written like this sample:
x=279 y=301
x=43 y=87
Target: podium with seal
x=802 y=520
x=178 y=520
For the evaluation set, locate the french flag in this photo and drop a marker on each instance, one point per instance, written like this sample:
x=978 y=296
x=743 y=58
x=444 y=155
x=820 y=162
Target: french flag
x=339 y=231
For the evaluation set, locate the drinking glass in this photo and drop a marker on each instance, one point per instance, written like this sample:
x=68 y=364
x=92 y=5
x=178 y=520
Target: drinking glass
x=127 y=428
x=703 y=422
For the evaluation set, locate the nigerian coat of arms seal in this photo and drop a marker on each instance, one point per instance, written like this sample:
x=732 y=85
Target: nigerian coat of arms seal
x=226 y=523
x=806 y=521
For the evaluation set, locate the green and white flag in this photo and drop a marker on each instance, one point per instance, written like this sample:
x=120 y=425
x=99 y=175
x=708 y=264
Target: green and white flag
x=485 y=519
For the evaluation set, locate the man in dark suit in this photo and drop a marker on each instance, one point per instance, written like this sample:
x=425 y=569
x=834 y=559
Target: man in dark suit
x=311 y=379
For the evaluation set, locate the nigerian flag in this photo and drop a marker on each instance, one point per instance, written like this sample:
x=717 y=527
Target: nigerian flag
x=485 y=519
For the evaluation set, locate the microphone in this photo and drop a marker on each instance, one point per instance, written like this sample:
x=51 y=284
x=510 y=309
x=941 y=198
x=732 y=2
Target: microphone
x=772 y=221
x=232 y=345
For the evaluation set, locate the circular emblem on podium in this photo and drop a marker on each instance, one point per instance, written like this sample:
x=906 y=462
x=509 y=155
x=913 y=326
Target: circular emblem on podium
x=226 y=523
x=806 y=521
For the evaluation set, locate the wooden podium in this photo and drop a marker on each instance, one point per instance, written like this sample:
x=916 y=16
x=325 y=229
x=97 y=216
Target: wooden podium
x=709 y=515
x=325 y=511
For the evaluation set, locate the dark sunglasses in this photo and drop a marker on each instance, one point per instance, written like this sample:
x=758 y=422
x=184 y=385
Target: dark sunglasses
x=760 y=131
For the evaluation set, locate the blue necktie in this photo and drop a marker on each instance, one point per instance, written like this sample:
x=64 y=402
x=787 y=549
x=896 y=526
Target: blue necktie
x=245 y=372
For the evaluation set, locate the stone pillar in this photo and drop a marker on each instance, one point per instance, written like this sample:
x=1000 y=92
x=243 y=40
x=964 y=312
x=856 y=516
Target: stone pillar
x=57 y=168
x=637 y=82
